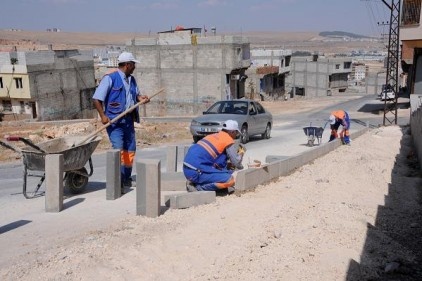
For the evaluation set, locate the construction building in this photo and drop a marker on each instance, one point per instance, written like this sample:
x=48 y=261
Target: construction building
x=196 y=69
x=268 y=72
x=317 y=76
x=46 y=85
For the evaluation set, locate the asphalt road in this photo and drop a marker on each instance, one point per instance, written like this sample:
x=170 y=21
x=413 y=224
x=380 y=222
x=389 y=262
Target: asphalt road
x=287 y=139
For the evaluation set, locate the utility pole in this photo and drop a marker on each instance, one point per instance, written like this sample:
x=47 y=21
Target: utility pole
x=392 y=77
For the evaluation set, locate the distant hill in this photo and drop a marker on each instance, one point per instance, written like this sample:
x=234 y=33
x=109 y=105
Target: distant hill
x=341 y=34
x=298 y=41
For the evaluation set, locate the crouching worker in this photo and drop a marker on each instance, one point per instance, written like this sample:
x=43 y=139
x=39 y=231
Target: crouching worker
x=337 y=118
x=206 y=164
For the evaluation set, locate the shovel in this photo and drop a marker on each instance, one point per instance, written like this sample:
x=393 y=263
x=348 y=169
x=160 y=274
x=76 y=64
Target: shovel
x=90 y=136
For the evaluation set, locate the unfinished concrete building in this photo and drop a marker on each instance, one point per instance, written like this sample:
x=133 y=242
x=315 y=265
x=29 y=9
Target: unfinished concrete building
x=317 y=76
x=46 y=85
x=195 y=70
x=268 y=72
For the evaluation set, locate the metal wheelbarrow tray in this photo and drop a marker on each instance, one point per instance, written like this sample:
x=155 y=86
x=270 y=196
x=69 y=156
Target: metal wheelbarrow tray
x=75 y=157
x=313 y=133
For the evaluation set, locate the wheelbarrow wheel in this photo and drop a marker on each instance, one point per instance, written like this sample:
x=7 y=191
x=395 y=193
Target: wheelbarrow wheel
x=311 y=143
x=76 y=181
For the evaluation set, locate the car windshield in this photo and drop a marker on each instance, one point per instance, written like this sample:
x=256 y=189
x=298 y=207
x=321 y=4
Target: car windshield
x=228 y=107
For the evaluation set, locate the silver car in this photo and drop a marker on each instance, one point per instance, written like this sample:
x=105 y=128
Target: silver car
x=251 y=116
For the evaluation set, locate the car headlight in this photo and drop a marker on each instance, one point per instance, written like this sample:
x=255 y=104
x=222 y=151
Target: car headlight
x=195 y=123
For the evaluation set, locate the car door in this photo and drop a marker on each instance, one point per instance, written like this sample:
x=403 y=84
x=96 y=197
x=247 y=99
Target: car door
x=260 y=118
x=253 y=120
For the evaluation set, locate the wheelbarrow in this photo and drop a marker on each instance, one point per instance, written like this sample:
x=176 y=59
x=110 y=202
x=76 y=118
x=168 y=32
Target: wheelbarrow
x=313 y=133
x=75 y=158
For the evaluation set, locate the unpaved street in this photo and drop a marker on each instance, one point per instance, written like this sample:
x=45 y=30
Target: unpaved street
x=342 y=217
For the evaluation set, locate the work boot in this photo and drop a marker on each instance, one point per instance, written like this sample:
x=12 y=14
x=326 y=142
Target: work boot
x=231 y=190
x=128 y=183
x=190 y=187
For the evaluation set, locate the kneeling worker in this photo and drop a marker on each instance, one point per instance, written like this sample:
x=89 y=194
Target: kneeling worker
x=206 y=164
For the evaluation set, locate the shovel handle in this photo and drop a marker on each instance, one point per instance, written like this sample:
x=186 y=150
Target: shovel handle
x=90 y=136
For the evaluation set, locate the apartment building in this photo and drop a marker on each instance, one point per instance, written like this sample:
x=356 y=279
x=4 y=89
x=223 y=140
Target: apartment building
x=359 y=71
x=46 y=85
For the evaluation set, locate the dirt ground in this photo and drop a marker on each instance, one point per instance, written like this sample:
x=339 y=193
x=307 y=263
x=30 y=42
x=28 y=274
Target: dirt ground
x=353 y=214
x=147 y=134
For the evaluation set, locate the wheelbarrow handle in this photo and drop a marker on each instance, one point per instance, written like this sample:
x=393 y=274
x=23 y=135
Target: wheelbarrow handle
x=10 y=147
x=130 y=109
x=27 y=142
x=12 y=138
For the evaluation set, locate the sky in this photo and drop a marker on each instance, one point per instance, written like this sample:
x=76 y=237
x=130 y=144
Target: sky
x=144 y=16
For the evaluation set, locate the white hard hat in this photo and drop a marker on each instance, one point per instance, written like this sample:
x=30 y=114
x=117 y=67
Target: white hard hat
x=332 y=119
x=126 y=57
x=231 y=125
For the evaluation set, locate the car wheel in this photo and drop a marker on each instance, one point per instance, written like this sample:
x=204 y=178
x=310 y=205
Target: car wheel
x=196 y=139
x=267 y=133
x=244 y=137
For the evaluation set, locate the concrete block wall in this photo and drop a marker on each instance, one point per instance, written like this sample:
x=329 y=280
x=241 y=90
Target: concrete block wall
x=204 y=55
x=38 y=57
x=179 y=58
x=314 y=75
x=193 y=75
x=416 y=123
x=63 y=90
x=4 y=59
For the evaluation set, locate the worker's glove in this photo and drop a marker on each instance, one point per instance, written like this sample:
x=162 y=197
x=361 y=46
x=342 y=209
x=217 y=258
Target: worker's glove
x=241 y=150
x=230 y=166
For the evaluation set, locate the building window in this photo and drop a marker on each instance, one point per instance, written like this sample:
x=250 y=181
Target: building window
x=411 y=12
x=1 y=82
x=288 y=60
x=18 y=83
x=22 y=104
x=337 y=66
x=347 y=64
x=7 y=105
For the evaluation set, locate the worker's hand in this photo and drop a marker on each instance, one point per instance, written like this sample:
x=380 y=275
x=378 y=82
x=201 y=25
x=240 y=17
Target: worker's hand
x=104 y=119
x=230 y=166
x=144 y=99
x=241 y=150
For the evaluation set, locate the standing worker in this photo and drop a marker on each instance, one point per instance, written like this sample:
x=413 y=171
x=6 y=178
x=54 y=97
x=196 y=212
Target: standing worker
x=337 y=118
x=117 y=92
x=208 y=164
